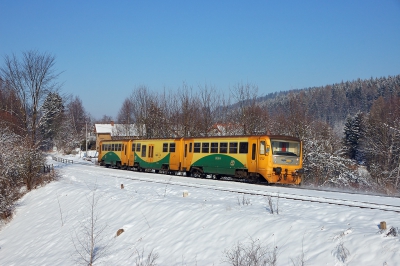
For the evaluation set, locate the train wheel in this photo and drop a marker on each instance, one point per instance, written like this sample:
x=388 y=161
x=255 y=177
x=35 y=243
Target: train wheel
x=196 y=173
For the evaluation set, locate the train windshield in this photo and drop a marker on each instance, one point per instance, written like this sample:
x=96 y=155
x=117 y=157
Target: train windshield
x=284 y=147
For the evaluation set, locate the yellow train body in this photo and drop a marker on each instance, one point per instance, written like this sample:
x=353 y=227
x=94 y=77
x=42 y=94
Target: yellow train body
x=276 y=159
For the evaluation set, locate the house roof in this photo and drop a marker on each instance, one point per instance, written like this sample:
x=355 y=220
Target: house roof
x=117 y=130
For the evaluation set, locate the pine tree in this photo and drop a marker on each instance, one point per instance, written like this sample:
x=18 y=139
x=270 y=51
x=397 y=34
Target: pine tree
x=352 y=136
x=52 y=111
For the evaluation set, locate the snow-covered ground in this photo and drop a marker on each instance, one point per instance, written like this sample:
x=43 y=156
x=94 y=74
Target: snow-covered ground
x=199 y=229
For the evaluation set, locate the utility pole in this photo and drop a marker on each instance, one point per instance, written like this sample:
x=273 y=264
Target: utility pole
x=86 y=139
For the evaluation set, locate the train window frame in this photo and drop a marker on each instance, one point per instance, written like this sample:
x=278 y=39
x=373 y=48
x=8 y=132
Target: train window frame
x=262 y=147
x=138 y=147
x=214 y=147
x=190 y=147
x=243 y=147
x=172 y=147
x=205 y=147
x=144 y=147
x=185 y=151
x=165 y=147
x=253 y=151
x=223 y=147
x=197 y=147
x=233 y=147
x=133 y=147
x=112 y=147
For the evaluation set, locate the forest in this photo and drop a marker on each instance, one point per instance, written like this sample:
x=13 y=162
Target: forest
x=350 y=130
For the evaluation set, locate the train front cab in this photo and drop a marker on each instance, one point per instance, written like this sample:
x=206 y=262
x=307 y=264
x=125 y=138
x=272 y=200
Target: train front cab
x=280 y=159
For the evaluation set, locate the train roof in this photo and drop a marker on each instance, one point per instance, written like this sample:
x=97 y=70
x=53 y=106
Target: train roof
x=280 y=137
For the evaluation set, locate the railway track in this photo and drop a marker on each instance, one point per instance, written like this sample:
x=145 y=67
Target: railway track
x=253 y=191
x=283 y=195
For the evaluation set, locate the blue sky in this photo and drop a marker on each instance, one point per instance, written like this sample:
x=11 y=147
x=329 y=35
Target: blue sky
x=107 y=48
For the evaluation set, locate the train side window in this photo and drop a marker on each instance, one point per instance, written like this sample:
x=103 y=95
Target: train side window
x=172 y=147
x=165 y=147
x=144 y=151
x=138 y=147
x=190 y=147
x=133 y=146
x=205 y=147
x=186 y=150
x=196 y=148
x=214 y=147
x=119 y=147
x=108 y=147
x=243 y=147
x=233 y=146
x=253 y=151
x=223 y=147
x=262 y=147
x=113 y=147
x=102 y=147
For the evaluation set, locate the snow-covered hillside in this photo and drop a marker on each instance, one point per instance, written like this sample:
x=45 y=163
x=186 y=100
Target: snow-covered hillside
x=198 y=229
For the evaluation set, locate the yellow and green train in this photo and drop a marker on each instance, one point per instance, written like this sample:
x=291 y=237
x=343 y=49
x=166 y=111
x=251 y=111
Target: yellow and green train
x=276 y=159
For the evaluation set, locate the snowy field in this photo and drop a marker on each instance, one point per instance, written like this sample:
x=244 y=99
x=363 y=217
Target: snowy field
x=198 y=229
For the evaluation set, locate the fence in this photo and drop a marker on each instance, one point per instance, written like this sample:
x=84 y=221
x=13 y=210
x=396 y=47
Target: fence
x=47 y=168
x=62 y=160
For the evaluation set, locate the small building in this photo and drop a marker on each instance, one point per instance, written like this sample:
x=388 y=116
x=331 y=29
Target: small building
x=115 y=131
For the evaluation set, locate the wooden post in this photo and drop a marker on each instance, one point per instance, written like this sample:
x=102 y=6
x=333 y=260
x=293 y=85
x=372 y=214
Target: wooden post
x=383 y=226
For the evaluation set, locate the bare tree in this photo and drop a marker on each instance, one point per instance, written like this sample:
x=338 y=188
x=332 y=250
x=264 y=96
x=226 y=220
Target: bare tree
x=106 y=119
x=209 y=103
x=245 y=113
x=31 y=78
x=125 y=114
x=140 y=99
x=186 y=112
x=89 y=241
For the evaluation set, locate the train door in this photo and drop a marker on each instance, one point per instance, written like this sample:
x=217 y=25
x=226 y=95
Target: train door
x=175 y=151
x=187 y=155
x=261 y=154
x=124 y=154
x=253 y=155
x=131 y=150
x=151 y=153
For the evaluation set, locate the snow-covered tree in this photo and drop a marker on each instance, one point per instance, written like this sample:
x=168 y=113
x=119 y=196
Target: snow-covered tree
x=324 y=164
x=51 y=120
x=381 y=142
